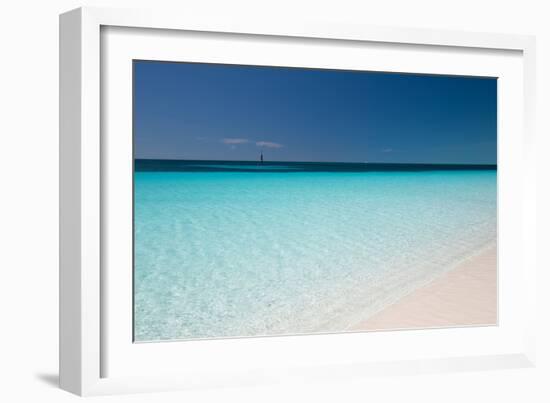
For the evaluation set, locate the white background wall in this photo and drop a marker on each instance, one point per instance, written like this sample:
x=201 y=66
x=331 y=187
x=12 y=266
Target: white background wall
x=29 y=186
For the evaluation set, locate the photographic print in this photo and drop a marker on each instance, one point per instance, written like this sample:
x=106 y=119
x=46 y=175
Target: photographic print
x=273 y=201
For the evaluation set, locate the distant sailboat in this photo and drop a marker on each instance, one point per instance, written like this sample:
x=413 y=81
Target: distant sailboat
x=261 y=157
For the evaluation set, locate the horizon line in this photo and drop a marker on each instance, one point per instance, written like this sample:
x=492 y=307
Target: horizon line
x=322 y=162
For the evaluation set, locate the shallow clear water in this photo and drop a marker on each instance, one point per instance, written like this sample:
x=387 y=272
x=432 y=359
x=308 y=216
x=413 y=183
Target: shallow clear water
x=239 y=252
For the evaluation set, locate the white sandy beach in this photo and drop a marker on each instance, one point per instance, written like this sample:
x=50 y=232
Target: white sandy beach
x=466 y=295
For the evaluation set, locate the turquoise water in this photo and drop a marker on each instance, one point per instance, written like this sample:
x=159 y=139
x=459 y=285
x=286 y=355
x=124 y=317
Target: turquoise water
x=227 y=250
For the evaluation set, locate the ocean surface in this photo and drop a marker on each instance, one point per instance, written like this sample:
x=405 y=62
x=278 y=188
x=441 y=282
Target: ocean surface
x=230 y=249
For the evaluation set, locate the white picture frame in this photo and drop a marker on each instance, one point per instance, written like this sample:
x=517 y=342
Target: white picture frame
x=96 y=354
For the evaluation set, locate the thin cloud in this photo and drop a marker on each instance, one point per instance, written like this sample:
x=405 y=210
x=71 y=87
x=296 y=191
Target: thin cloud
x=268 y=144
x=387 y=150
x=234 y=141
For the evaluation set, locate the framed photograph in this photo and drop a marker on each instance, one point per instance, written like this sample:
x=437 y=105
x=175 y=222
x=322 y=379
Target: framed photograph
x=247 y=202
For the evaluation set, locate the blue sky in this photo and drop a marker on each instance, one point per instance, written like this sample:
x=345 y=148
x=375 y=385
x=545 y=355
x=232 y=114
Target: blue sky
x=224 y=112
